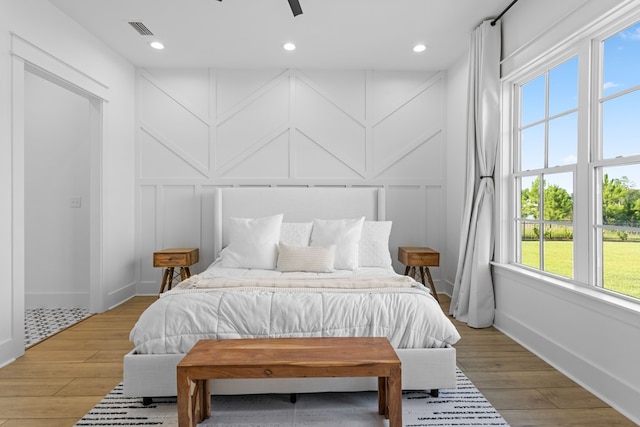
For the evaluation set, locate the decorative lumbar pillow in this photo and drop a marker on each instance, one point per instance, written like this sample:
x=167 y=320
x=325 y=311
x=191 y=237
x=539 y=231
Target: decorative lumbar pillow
x=317 y=259
x=345 y=234
x=296 y=233
x=253 y=243
x=374 y=244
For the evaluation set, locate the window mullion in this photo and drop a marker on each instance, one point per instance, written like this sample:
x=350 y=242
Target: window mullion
x=582 y=185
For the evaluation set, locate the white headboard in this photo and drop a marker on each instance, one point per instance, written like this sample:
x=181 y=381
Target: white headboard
x=297 y=204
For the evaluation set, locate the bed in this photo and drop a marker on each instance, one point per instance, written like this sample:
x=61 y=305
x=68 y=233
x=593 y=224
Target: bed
x=295 y=262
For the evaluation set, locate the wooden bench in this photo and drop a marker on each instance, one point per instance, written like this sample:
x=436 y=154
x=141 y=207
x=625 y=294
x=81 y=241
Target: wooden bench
x=287 y=358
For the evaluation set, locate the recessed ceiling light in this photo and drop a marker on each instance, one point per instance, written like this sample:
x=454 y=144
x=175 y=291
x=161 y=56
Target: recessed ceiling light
x=289 y=46
x=419 y=48
x=156 y=45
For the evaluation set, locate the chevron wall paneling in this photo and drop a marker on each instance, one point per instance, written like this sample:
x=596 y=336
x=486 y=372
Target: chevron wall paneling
x=198 y=129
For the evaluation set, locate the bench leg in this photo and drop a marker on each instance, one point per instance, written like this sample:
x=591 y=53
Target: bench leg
x=194 y=400
x=394 y=397
x=382 y=397
x=206 y=399
x=185 y=401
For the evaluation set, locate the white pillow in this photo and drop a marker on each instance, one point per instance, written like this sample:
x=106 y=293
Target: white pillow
x=296 y=233
x=253 y=243
x=317 y=259
x=345 y=234
x=374 y=244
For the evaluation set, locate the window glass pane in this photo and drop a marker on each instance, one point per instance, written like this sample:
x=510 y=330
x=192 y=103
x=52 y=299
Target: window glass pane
x=532 y=148
x=530 y=198
x=563 y=140
x=621 y=269
x=621 y=196
x=533 y=101
x=621 y=126
x=558 y=249
x=530 y=244
x=558 y=197
x=563 y=87
x=622 y=60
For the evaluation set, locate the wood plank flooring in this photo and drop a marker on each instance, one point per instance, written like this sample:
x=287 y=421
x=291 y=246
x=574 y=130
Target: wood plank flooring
x=60 y=379
x=522 y=387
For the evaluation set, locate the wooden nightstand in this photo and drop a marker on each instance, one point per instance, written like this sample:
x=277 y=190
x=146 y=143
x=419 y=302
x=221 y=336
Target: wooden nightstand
x=422 y=258
x=173 y=258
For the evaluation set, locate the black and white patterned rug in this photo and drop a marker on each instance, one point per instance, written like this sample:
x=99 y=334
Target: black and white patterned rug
x=41 y=323
x=462 y=406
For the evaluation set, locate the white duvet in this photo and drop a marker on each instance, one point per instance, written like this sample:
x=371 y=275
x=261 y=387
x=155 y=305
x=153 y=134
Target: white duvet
x=227 y=303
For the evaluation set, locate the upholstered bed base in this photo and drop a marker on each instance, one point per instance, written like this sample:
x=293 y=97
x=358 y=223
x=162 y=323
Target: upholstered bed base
x=422 y=369
x=154 y=375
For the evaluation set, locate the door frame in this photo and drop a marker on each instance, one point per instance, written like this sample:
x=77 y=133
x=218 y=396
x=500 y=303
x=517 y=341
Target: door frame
x=26 y=57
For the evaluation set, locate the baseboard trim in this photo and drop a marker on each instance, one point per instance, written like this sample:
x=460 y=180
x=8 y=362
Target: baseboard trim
x=614 y=391
x=120 y=295
x=147 y=288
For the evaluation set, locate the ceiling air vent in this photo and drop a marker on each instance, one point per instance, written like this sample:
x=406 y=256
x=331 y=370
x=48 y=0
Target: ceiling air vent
x=141 y=28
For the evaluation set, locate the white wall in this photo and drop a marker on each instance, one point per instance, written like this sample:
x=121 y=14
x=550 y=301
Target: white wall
x=202 y=128
x=592 y=338
x=34 y=31
x=456 y=149
x=57 y=168
x=531 y=28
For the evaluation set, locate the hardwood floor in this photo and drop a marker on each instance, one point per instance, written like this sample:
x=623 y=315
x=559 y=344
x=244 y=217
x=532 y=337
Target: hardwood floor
x=60 y=379
x=523 y=388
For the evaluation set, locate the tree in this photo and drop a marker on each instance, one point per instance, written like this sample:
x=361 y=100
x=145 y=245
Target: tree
x=620 y=201
x=558 y=204
x=531 y=200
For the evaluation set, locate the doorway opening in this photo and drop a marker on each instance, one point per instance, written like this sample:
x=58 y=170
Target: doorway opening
x=61 y=125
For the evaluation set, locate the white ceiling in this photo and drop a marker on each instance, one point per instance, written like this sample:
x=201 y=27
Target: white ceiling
x=338 y=34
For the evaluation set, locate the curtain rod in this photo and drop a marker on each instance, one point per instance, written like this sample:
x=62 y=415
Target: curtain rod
x=493 y=23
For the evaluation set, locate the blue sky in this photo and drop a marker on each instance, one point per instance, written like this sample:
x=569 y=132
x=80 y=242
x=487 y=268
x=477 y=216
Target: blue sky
x=621 y=129
x=621 y=123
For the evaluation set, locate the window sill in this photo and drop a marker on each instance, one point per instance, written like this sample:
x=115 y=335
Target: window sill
x=568 y=290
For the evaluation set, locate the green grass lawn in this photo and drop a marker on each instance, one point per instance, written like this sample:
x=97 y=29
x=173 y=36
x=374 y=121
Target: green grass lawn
x=621 y=262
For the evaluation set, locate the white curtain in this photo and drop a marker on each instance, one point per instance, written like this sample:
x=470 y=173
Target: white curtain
x=473 y=299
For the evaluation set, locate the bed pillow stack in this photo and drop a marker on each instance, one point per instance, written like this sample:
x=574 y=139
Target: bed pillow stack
x=319 y=246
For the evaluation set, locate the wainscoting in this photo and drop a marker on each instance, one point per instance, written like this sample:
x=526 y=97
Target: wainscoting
x=199 y=129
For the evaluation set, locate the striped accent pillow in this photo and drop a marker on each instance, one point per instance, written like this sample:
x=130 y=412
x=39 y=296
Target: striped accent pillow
x=316 y=259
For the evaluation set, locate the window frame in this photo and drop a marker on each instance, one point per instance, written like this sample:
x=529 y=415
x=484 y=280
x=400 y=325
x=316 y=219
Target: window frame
x=515 y=143
x=597 y=162
x=588 y=47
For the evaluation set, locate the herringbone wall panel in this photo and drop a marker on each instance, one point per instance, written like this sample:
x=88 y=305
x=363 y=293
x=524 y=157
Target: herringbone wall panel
x=203 y=128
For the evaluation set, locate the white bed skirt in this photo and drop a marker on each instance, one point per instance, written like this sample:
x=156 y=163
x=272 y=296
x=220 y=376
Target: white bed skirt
x=154 y=375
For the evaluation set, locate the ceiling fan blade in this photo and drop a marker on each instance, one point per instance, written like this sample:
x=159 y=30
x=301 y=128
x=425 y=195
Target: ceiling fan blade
x=295 y=7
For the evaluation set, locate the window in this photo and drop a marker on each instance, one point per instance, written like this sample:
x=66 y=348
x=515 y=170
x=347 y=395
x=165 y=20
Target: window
x=617 y=165
x=545 y=172
x=578 y=146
